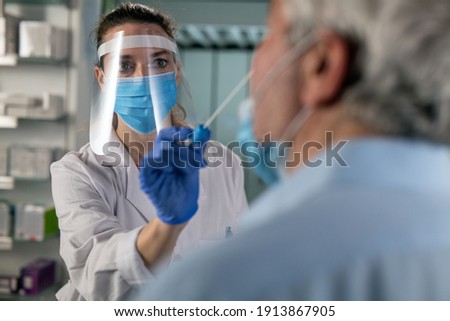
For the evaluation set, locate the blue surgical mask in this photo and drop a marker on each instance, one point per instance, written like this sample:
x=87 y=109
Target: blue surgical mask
x=271 y=166
x=137 y=99
x=263 y=164
x=269 y=162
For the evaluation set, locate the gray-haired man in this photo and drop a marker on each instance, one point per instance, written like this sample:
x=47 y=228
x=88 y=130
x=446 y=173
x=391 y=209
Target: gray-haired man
x=375 y=74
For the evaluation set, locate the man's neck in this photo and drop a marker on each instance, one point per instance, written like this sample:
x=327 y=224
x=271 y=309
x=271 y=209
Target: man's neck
x=324 y=129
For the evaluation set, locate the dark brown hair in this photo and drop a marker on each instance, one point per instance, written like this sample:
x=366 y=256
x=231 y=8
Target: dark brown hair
x=133 y=12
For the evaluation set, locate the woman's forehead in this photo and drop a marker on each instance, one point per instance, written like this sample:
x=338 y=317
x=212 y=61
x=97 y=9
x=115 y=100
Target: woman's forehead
x=129 y=29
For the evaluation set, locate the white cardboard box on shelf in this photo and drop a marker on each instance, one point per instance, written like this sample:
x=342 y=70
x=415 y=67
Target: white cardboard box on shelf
x=39 y=39
x=30 y=162
x=34 y=222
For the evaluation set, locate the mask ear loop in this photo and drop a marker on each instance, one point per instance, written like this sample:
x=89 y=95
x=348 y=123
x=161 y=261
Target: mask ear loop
x=287 y=59
x=305 y=113
x=297 y=122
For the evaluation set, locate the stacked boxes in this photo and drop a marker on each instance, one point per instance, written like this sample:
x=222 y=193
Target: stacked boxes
x=26 y=162
x=29 y=221
x=30 y=162
x=41 y=40
x=31 y=39
x=23 y=162
x=33 y=278
x=44 y=106
x=34 y=222
x=38 y=275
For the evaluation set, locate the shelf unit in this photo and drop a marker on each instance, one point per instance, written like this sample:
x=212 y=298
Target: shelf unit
x=33 y=77
x=70 y=78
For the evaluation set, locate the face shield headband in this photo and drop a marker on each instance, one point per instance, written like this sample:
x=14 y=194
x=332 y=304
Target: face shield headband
x=138 y=41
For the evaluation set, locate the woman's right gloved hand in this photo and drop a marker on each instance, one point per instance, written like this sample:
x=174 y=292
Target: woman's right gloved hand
x=169 y=174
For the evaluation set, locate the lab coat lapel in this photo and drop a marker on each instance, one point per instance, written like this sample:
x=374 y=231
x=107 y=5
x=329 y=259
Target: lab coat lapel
x=134 y=194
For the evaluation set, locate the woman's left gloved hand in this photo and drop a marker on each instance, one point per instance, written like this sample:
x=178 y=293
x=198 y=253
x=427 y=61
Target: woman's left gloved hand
x=169 y=174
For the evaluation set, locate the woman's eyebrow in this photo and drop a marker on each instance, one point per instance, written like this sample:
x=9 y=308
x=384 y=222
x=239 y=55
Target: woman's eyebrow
x=126 y=56
x=159 y=53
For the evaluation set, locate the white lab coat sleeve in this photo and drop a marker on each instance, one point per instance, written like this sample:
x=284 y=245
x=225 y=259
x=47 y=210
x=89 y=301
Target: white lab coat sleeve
x=238 y=178
x=130 y=262
x=101 y=257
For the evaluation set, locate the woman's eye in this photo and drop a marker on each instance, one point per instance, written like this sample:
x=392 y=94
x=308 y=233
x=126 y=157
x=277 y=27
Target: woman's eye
x=160 y=63
x=126 y=67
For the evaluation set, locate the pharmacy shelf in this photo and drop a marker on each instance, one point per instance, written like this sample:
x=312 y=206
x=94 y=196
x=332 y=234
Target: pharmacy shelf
x=13 y=121
x=14 y=60
x=8 y=182
x=31 y=179
x=7 y=242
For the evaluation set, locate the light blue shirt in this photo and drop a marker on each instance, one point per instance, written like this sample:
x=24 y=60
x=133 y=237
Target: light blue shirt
x=378 y=229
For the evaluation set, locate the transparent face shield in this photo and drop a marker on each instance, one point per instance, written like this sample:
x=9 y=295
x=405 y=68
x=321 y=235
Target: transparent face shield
x=141 y=88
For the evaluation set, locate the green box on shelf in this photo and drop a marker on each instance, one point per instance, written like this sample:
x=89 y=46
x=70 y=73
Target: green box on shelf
x=35 y=222
x=51 y=222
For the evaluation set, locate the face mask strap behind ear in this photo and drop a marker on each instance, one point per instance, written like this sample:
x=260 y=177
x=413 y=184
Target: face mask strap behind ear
x=288 y=58
x=245 y=133
x=303 y=115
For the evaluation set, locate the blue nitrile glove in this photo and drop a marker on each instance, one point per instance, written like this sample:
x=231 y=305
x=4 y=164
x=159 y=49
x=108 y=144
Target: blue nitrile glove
x=169 y=174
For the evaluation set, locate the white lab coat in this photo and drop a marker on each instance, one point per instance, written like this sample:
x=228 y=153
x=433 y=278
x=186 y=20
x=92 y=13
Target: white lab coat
x=101 y=209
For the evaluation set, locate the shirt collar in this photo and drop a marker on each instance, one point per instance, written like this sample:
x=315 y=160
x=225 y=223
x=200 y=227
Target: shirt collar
x=386 y=162
x=371 y=162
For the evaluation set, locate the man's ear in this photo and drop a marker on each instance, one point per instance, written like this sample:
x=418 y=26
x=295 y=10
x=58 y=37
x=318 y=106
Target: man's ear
x=99 y=76
x=324 y=69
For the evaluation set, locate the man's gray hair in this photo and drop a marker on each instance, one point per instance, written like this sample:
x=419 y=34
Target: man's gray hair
x=399 y=81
